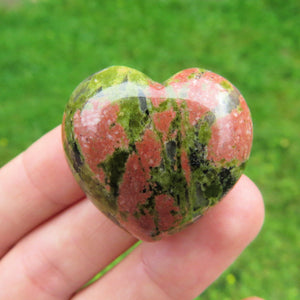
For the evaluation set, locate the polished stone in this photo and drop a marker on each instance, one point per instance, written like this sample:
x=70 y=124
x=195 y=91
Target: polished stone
x=154 y=157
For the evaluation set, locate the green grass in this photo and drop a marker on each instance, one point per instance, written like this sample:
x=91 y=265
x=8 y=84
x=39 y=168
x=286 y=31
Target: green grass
x=48 y=47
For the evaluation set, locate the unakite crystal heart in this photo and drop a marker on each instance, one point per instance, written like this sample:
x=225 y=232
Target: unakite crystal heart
x=154 y=157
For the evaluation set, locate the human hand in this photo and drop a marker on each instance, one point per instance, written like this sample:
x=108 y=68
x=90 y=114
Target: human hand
x=53 y=240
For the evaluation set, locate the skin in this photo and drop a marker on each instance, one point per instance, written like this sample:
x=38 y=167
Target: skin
x=53 y=239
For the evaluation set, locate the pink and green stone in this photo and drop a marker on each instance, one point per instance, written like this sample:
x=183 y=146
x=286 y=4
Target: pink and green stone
x=154 y=157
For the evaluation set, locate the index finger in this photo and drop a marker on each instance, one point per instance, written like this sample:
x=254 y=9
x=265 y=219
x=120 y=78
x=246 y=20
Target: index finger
x=34 y=186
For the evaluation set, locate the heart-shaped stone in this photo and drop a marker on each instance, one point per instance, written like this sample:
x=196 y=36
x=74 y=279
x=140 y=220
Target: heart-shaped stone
x=154 y=157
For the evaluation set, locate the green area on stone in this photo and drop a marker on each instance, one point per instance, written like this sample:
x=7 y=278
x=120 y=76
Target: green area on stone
x=48 y=47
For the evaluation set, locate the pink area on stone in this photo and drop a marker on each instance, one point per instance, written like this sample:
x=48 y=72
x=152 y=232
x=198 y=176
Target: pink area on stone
x=134 y=188
x=204 y=92
x=196 y=111
x=186 y=166
x=98 y=134
x=232 y=136
x=184 y=75
x=200 y=93
x=216 y=78
x=149 y=151
x=142 y=227
x=157 y=93
x=101 y=177
x=164 y=204
x=162 y=121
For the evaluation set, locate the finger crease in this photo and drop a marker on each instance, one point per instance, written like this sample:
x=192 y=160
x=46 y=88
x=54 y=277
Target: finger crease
x=154 y=279
x=46 y=276
x=32 y=182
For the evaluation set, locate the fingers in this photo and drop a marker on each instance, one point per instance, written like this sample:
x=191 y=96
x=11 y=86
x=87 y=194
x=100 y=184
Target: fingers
x=60 y=256
x=33 y=187
x=182 y=266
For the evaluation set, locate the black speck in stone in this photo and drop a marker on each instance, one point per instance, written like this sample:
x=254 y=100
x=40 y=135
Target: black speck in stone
x=114 y=167
x=99 y=90
x=157 y=188
x=143 y=102
x=193 y=158
x=227 y=179
x=150 y=204
x=132 y=148
x=196 y=156
x=77 y=157
x=156 y=233
x=200 y=199
x=173 y=212
x=171 y=150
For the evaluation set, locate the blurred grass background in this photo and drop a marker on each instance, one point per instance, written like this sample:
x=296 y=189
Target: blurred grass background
x=48 y=47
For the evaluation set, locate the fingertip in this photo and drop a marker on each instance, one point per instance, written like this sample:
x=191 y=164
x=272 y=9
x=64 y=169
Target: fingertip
x=251 y=207
x=238 y=217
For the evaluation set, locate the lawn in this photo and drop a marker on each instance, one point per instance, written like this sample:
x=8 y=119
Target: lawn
x=48 y=47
